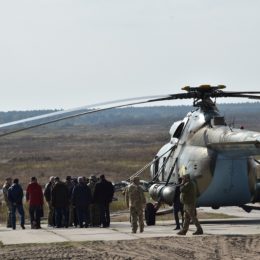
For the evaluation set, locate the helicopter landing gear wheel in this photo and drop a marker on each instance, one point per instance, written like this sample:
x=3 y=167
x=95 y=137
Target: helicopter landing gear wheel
x=150 y=214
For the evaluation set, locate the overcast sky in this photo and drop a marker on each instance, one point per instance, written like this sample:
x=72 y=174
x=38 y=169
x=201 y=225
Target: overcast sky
x=63 y=54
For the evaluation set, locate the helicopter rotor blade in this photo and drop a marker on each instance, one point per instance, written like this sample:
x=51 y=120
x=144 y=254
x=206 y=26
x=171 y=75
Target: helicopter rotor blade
x=201 y=92
x=244 y=96
x=222 y=94
x=75 y=112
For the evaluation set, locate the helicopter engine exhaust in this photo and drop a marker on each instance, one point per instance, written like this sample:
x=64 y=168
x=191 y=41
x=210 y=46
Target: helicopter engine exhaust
x=160 y=192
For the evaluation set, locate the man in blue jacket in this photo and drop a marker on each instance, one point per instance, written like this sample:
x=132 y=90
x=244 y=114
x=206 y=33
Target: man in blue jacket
x=15 y=196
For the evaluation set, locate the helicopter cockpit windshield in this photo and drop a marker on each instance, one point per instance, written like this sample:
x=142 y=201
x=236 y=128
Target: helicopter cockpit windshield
x=177 y=130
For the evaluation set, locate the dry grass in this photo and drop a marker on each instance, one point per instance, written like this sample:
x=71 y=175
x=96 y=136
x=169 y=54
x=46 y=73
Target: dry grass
x=116 y=152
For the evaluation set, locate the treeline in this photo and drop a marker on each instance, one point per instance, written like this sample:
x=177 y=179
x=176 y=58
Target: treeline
x=236 y=114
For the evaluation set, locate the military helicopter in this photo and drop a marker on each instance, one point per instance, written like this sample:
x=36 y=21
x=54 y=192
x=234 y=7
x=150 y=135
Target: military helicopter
x=220 y=159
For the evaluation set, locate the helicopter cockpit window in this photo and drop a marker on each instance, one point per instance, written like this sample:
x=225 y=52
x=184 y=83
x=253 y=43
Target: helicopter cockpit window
x=177 y=133
x=218 y=120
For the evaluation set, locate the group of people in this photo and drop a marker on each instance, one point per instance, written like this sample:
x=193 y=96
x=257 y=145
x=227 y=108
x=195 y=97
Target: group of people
x=85 y=202
x=184 y=202
x=75 y=202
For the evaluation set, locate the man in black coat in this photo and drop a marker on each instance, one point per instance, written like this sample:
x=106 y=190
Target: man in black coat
x=81 y=198
x=60 y=202
x=103 y=195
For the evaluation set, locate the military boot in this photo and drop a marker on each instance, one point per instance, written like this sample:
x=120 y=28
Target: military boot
x=198 y=232
x=182 y=232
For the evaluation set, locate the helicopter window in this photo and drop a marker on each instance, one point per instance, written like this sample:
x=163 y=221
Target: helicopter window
x=177 y=133
x=218 y=120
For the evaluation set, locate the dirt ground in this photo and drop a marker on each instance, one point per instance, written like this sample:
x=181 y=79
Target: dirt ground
x=201 y=247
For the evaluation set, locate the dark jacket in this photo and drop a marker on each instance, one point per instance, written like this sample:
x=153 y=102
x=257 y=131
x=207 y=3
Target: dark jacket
x=60 y=195
x=15 y=194
x=81 y=195
x=104 y=192
x=70 y=186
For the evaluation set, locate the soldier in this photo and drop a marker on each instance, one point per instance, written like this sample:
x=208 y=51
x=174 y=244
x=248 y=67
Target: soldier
x=188 y=198
x=15 y=196
x=135 y=201
x=47 y=195
x=177 y=206
x=6 y=186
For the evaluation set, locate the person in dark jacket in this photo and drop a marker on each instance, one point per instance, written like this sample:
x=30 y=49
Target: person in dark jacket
x=60 y=202
x=70 y=186
x=15 y=196
x=47 y=194
x=103 y=195
x=81 y=198
x=177 y=205
x=35 y=197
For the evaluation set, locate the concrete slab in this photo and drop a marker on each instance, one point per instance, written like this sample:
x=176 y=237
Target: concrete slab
x=122 y=231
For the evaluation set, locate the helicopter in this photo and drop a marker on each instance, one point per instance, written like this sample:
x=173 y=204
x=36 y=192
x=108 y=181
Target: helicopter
x=220 y=159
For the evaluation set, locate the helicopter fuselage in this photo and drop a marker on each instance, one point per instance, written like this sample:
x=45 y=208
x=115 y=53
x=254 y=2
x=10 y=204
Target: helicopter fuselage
x=218 y=158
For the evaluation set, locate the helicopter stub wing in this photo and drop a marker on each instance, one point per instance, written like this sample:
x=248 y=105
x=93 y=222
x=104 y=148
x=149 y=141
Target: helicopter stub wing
x=237 y=149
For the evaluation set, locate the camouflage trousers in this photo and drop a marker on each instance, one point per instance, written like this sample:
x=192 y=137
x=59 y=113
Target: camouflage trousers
x=190 y=214
x=9 y=215
x=51 y=215
x=136 y=215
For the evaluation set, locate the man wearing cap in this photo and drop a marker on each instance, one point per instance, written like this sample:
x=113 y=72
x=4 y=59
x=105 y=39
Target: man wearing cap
x=6 y=186
x=188 y=198
x=135 y=201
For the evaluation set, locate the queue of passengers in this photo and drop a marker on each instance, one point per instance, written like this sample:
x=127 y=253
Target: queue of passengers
x=78 y=202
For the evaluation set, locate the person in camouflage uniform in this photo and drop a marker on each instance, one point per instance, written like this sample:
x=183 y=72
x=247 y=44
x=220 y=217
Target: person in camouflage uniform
x=7 y=185
x=188 y=198
x=135 y=201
